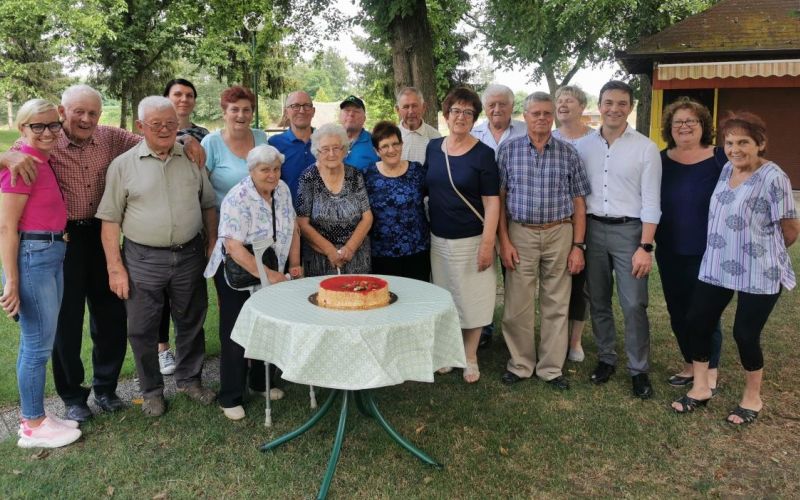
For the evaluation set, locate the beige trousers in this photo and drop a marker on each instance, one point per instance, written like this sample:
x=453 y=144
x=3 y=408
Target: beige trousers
x=543 y=266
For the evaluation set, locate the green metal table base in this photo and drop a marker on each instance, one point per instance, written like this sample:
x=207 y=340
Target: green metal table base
x=366 y=406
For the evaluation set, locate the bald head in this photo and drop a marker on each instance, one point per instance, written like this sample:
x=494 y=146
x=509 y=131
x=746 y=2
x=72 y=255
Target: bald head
x=300 y=110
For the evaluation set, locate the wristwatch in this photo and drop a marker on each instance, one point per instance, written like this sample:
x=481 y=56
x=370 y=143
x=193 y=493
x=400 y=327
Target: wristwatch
x=647 y=247
x=581 y=245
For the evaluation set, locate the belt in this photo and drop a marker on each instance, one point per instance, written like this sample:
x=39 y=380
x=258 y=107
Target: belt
x=174 y=248
x=84 y=222
x=613 y=220
x=541 y=227
x=42 y=236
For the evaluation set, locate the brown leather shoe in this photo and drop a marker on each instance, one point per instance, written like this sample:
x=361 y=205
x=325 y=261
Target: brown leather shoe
x=202 y=395
x=154 y=407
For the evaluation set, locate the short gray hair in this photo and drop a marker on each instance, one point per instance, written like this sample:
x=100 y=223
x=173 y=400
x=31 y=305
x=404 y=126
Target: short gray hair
x=497 y=89
x=409 y=90
x=538 y=97
x=32 y=108
x=329 y=130
x=153 y=103
x=80 y=90
x=263 y=154
x=574 y=91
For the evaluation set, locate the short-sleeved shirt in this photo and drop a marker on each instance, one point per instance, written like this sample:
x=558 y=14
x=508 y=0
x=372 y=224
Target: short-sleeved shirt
x=335 y=217
x=482 y=132
x=745 y=250
x=81 y=168
x=399 y=225
x=298 y=157
x=225 y=169
x=474 y=174
x=45 y=209
x=245 y=216
x=540 y=186
x=625 y=177
x=685 y=196
x=573 y=142
x=415 y=142
x=361 y=154
x=159 y=203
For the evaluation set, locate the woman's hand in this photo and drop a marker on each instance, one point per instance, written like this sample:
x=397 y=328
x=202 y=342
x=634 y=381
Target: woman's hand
x=346 y=254
x=485 y=255
x=334 y=257
x=275 y=277
x=296 y=272
x=10 y=299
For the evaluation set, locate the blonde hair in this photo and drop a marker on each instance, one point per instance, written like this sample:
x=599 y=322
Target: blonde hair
x=32 y=108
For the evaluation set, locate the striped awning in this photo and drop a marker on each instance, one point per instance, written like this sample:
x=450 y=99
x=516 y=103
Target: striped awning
x=734 y=69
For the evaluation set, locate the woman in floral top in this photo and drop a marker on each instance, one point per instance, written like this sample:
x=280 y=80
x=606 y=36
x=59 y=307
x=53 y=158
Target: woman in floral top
x=752 y=220
x=400 y=235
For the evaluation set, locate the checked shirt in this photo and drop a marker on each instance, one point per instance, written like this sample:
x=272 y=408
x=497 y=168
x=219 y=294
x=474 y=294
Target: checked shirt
x=540 y=187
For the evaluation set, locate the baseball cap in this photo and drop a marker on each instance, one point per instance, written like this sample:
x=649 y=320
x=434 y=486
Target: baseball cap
x=352 y=100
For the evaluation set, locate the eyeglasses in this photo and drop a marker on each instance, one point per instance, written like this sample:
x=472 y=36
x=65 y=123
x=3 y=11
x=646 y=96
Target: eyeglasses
x=297 y=107
x=157 y=126
x=467 y=113
x=330 y=149
x=691 y=122
x=386 y=147
x=38 y=128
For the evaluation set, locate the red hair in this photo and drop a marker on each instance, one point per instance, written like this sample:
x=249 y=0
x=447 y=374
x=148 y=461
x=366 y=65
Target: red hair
x=235 y=93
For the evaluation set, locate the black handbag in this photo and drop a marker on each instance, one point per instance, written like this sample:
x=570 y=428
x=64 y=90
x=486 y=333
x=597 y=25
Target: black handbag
x=237 y=276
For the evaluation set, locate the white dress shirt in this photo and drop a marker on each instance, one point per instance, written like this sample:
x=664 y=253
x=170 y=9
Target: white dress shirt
x=482 y=133
x=415 y=142
x=625 y=177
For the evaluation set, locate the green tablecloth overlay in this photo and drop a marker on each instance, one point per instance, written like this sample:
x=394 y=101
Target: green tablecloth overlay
x=352 y=350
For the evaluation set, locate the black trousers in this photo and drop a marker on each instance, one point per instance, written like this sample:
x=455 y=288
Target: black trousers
x=752 y=312
x=233 y=366
x=415 y=266
x=678 y=279
x=86 y=283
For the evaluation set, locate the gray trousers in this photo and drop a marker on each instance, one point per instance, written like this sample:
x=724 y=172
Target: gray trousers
x=151 y=272
x=610 y=248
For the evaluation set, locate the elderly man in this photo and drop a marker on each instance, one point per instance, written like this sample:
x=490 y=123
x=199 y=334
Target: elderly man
x=161 y=202
x=410 y=108
x=80 y=160
x=498 y=104
x=295 y=142
x=624 y=169
x=352 y=116
x=542 y=225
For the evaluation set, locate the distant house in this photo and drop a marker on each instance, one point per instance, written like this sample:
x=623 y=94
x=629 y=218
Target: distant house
x=737 y=55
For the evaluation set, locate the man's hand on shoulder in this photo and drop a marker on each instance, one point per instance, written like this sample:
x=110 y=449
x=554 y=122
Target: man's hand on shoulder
x=20 y=164
x=194 y=151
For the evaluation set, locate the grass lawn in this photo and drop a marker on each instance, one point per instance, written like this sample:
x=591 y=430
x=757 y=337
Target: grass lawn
x=495 y=441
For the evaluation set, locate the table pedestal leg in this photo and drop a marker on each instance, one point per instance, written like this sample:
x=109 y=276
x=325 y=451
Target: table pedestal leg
x=337 y=448
x=362 y=407
x=369 y=402
x=306 y=426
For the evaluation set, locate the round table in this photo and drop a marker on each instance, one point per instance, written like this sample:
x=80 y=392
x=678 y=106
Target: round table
x=351 y=351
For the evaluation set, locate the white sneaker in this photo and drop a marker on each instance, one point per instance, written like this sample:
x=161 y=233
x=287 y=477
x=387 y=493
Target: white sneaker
x=275 y=394
x=235 y=413
x=166 y=362
x=48 y=435
x=70 y=424
x=576 y=355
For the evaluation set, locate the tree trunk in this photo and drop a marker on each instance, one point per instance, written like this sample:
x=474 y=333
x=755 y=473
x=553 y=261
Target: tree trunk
x=412 y=57
x=10 y=108
x=643 y=107
x=124 y=105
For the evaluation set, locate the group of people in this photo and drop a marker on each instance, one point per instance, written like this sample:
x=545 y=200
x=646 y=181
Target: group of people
x=571 y=211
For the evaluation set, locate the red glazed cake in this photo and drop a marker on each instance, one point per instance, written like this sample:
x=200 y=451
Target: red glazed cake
x=353 y=292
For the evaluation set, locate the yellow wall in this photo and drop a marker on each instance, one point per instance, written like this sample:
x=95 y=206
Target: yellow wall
x=656 y=108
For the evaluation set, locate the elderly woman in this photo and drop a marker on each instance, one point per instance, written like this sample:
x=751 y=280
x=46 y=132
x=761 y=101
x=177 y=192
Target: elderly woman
x=32 y=249
x=570 y=104
x=259 y=207
x=400 y=236
x=333 y=209
x=752 y=221
x=463 y=186
x=183 y=96
x=690 y=170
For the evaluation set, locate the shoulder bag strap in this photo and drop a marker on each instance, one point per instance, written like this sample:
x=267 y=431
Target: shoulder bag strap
x=450 y=176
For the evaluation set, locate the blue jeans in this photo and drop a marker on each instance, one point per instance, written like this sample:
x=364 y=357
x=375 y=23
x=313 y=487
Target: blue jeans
x=41 y=286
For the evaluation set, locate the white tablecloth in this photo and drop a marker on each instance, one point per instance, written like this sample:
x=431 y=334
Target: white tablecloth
x=353 y=350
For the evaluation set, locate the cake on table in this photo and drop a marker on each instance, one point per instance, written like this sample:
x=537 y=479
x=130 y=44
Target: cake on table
x=353 y=292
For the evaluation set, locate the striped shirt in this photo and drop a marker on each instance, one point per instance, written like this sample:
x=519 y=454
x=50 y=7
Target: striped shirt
x=745 y=250
x=540 y=186
x=415 y=142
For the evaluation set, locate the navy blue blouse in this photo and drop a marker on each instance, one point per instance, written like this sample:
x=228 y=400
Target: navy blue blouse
x=399 y=226
x=474 y=174
x=685 y=196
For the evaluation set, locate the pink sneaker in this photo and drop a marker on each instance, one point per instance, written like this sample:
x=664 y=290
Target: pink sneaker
x=48 y=435
x=71 y=424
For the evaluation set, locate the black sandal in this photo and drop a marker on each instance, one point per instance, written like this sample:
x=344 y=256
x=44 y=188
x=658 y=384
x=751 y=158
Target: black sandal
x=689 y=404
x=747 y=416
